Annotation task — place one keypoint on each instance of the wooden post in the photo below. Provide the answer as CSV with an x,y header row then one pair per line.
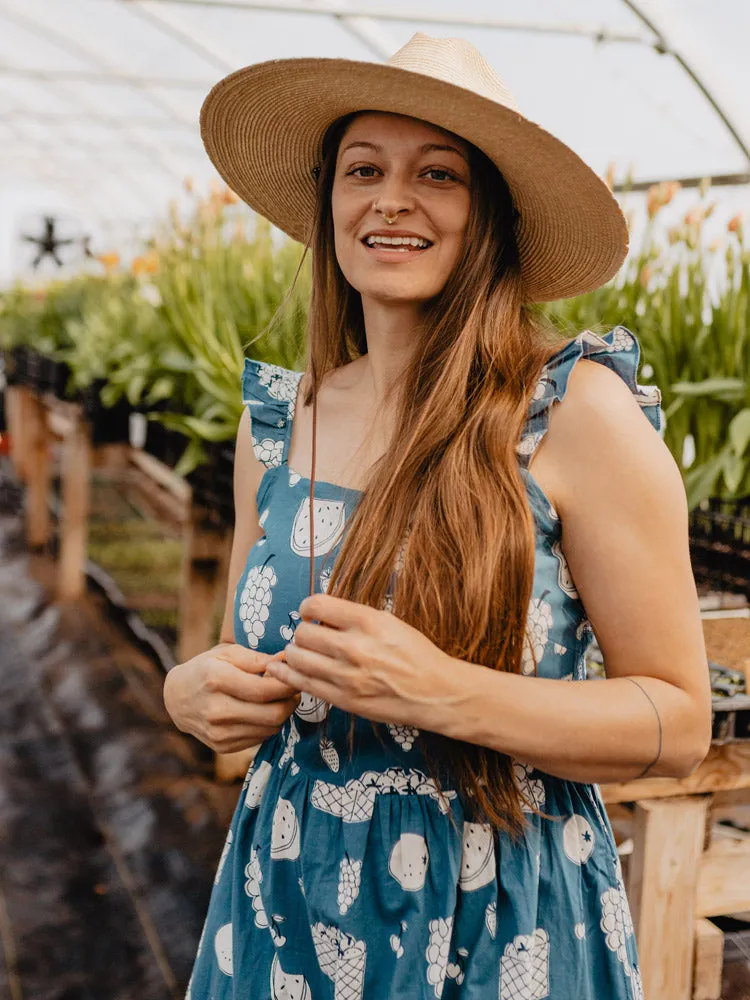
x,y
36,461
201,578
76,469
662,884
709,961
19,397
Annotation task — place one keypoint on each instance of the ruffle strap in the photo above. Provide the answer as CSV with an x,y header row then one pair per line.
x,y
270,392
619,350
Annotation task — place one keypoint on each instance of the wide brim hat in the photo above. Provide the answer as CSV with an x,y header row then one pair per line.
x,y
263,128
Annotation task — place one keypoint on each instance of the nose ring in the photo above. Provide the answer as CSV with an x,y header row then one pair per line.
x,y
390,219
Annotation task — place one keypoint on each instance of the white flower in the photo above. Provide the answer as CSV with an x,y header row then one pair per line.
x,y
254,878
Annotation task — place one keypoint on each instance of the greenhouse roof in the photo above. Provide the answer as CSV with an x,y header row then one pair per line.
x,y
99,99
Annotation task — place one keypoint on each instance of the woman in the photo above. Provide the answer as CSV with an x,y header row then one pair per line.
x,y
423,818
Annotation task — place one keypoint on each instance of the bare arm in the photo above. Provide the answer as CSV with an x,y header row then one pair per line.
x,y
622,504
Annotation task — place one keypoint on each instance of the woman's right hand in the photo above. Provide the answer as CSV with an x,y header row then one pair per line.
x,y
222,698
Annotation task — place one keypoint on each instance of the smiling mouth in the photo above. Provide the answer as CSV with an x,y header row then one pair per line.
x,y
397,244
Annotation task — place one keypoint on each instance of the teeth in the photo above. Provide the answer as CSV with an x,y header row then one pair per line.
x,y
397,241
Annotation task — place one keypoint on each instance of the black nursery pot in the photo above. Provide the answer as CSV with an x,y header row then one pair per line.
x,y
213,483
720,543
164,444
109,425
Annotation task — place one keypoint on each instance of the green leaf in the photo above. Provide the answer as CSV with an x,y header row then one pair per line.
x,y
739,431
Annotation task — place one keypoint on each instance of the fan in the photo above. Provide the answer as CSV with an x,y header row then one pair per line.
x,y
58,240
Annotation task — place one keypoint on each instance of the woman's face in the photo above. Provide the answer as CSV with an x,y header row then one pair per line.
x,y
391,165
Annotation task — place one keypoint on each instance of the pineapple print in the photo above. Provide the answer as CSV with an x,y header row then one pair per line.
x,y
255,603
437,953
405,736
490,919
532,790
330,754
350,875
342,959
538,623
524,967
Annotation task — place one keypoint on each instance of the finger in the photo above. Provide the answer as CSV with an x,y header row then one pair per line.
x,y
337,611
250,687
323,639
250,660
312,685
233,712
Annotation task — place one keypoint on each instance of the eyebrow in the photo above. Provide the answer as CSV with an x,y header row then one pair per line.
x,y
428,147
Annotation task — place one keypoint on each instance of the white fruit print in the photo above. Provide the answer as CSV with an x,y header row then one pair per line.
x,y
528,443
325,579
533,794
560,650
285,832
637,983
545,386
287,631
257,784
268,451
285,986
294,477
223,858
354,802
578,839
223,949
254,877
490,918
580,931
329,753
342,958
264,517
396,945
330,519
622,340
255,603
616,921
274,926
524,967
281,383
408,861
457,970
403,735
539,621
437,953
564,576
478,866
350,876
288,753
312,709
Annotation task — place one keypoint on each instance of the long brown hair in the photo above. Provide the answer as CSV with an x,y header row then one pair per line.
x,y
449,487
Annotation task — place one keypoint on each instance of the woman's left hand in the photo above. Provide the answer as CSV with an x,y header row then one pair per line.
x,y
366,662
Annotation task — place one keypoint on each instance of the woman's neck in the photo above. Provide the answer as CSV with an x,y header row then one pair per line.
x,y
391,331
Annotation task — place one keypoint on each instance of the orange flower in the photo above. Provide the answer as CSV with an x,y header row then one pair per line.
x,y
609,178
645,276
660,195
188,185
230,198
735,223
111,260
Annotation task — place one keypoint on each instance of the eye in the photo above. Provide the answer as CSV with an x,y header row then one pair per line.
x,y
444,175
356,172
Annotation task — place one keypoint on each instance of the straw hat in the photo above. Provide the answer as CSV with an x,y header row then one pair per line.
x,y
263,128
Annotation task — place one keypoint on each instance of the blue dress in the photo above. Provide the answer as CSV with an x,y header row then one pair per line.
x,y
346,879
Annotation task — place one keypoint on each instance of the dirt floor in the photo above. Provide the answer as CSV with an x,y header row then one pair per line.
x,y
111,825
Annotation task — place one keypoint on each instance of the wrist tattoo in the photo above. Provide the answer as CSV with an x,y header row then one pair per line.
x,y
658,719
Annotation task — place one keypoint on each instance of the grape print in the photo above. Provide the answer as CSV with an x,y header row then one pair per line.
x,y
395,939
403,735
524,967
255,602
280,382
254,877
538,623
350,874
437,953
456,970
268,451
